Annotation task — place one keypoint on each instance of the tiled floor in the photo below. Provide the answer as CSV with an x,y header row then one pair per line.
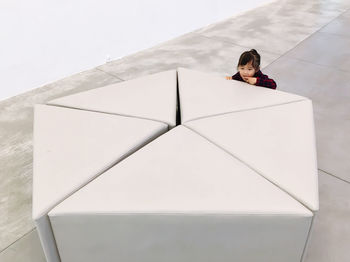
x,y
331,231
314,50
27,249
276,27
304,47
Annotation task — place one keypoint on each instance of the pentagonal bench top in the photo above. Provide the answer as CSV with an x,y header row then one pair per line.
x,y
244,157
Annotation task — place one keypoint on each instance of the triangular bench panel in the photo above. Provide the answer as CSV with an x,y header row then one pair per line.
x,y
203,95
278,142
72,147
177,192
151,97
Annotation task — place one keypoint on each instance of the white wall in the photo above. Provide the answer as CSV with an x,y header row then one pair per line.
x,y
42,41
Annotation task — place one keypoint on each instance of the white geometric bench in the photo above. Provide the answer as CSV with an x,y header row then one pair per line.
x,y
116,180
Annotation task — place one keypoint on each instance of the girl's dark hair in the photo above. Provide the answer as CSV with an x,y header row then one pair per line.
x,y
248,56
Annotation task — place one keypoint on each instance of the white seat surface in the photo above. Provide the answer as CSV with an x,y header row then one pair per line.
x,y
165,200
151,97
71,147
203,94
278,142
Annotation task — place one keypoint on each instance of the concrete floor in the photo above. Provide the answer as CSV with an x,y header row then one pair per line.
x,y
304,46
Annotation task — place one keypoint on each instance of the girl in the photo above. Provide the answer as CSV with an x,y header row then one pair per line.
x,y
249,71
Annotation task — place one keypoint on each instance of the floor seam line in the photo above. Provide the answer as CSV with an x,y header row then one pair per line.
x,y
108,73
244,110
311,63
14,242
238,45
234,43
250,167
335,34
327,173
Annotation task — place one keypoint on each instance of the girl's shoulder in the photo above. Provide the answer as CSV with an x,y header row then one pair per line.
x,y
237,76
260,74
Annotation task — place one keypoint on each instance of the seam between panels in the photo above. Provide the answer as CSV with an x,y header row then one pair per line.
x,y
54,238
107,113
98,174
178,104
243,110
250,167
83,185
111,165
308,238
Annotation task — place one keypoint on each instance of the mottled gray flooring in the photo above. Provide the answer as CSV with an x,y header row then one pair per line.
x,y
304,47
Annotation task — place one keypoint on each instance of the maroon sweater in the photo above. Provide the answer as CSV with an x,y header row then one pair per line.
x,y
261,80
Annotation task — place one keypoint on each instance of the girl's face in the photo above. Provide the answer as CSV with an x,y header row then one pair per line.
x,y
246,70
